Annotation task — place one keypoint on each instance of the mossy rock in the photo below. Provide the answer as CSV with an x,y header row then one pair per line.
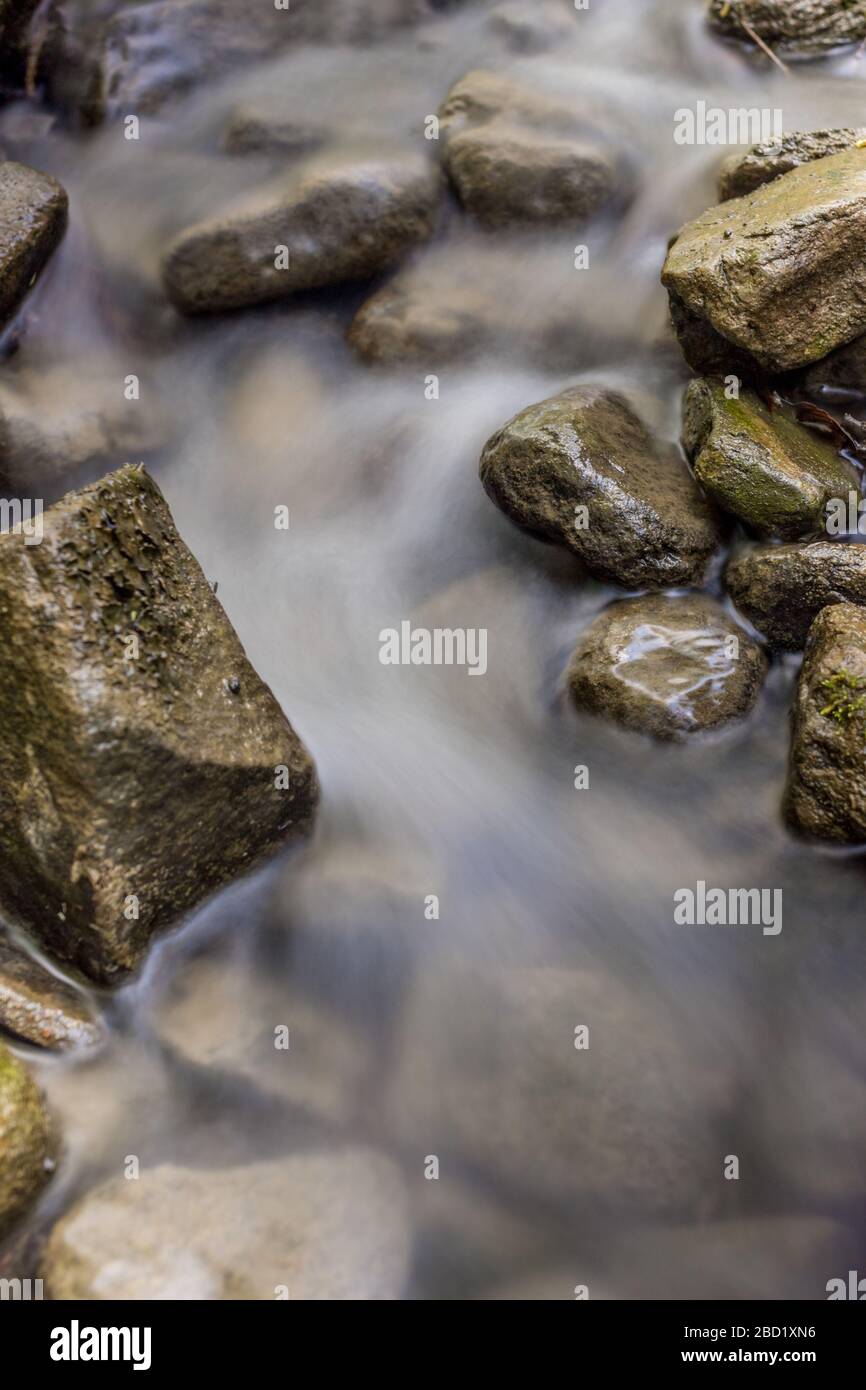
x,y
27,1141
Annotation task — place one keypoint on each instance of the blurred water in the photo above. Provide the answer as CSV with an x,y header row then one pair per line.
x,y
435,783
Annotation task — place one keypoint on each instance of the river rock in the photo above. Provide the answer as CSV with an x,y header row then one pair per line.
x,y
807,27
37,1007
646,522
666,666
27,1144
339,220
840,373
262,129
825,798
488,1072
777,277
534,27
323,1226
516,159
743,173
781,588
139,766
33,212
776,475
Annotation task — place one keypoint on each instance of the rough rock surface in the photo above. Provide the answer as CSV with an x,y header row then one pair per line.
x,y
781,588
262,130
825,798
488,1065
648,524
801,26
37,1007
516,159
321,1225
27,1145
339,221
743,173
841,371
666,666
779,275
33,211
131,783
761,466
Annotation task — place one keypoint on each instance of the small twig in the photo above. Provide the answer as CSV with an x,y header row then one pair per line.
x,y
756,38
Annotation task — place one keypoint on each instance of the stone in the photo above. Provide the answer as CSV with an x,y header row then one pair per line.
x,y
27,1142
825,798
139,767
535,27
516,159
670,667
762,466
779,275
646,522
840,373
340,220
488,1073
743,173
781,588
37,1007
260,130
322,1226
805,27
33,213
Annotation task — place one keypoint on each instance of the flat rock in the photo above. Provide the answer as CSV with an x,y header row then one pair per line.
x,y
488,1073
38,1008
130,783
33,213
648,523
763,467
27,1145
781,588
324,1226
806,27
666,666
825,798
516,159
743,173
778,275
343,220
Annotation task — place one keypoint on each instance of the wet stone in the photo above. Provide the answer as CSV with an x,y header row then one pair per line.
x,y
805,27
38,1008
670,667
781,588
743,173
27,1145
33,213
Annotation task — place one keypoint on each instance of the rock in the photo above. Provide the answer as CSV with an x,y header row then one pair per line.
x,y
531,28
780,275
339,220
323,1226
515,159
743,173
825,798
27,1145
260,130
130,783
33,210
807,27
15,17
841,372
666,666
488,1073
38,1008
648,524
774,474
781,588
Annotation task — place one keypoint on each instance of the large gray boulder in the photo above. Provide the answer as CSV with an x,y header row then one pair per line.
x,y
582,471
27,1141
33,213
825,798
777,278
140,764
782,588
337,220
670,667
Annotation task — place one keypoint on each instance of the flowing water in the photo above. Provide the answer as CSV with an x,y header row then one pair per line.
x,y
435,782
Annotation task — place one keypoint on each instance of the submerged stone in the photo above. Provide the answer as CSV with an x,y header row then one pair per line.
x,y
807,27
144,762
781,588
27,1144
669,667
33,212
825,798
37,1007
338,221
743,173
762,466
779,275
582,471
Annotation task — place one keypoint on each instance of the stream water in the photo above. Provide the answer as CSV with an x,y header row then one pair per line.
x,y
407,1035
